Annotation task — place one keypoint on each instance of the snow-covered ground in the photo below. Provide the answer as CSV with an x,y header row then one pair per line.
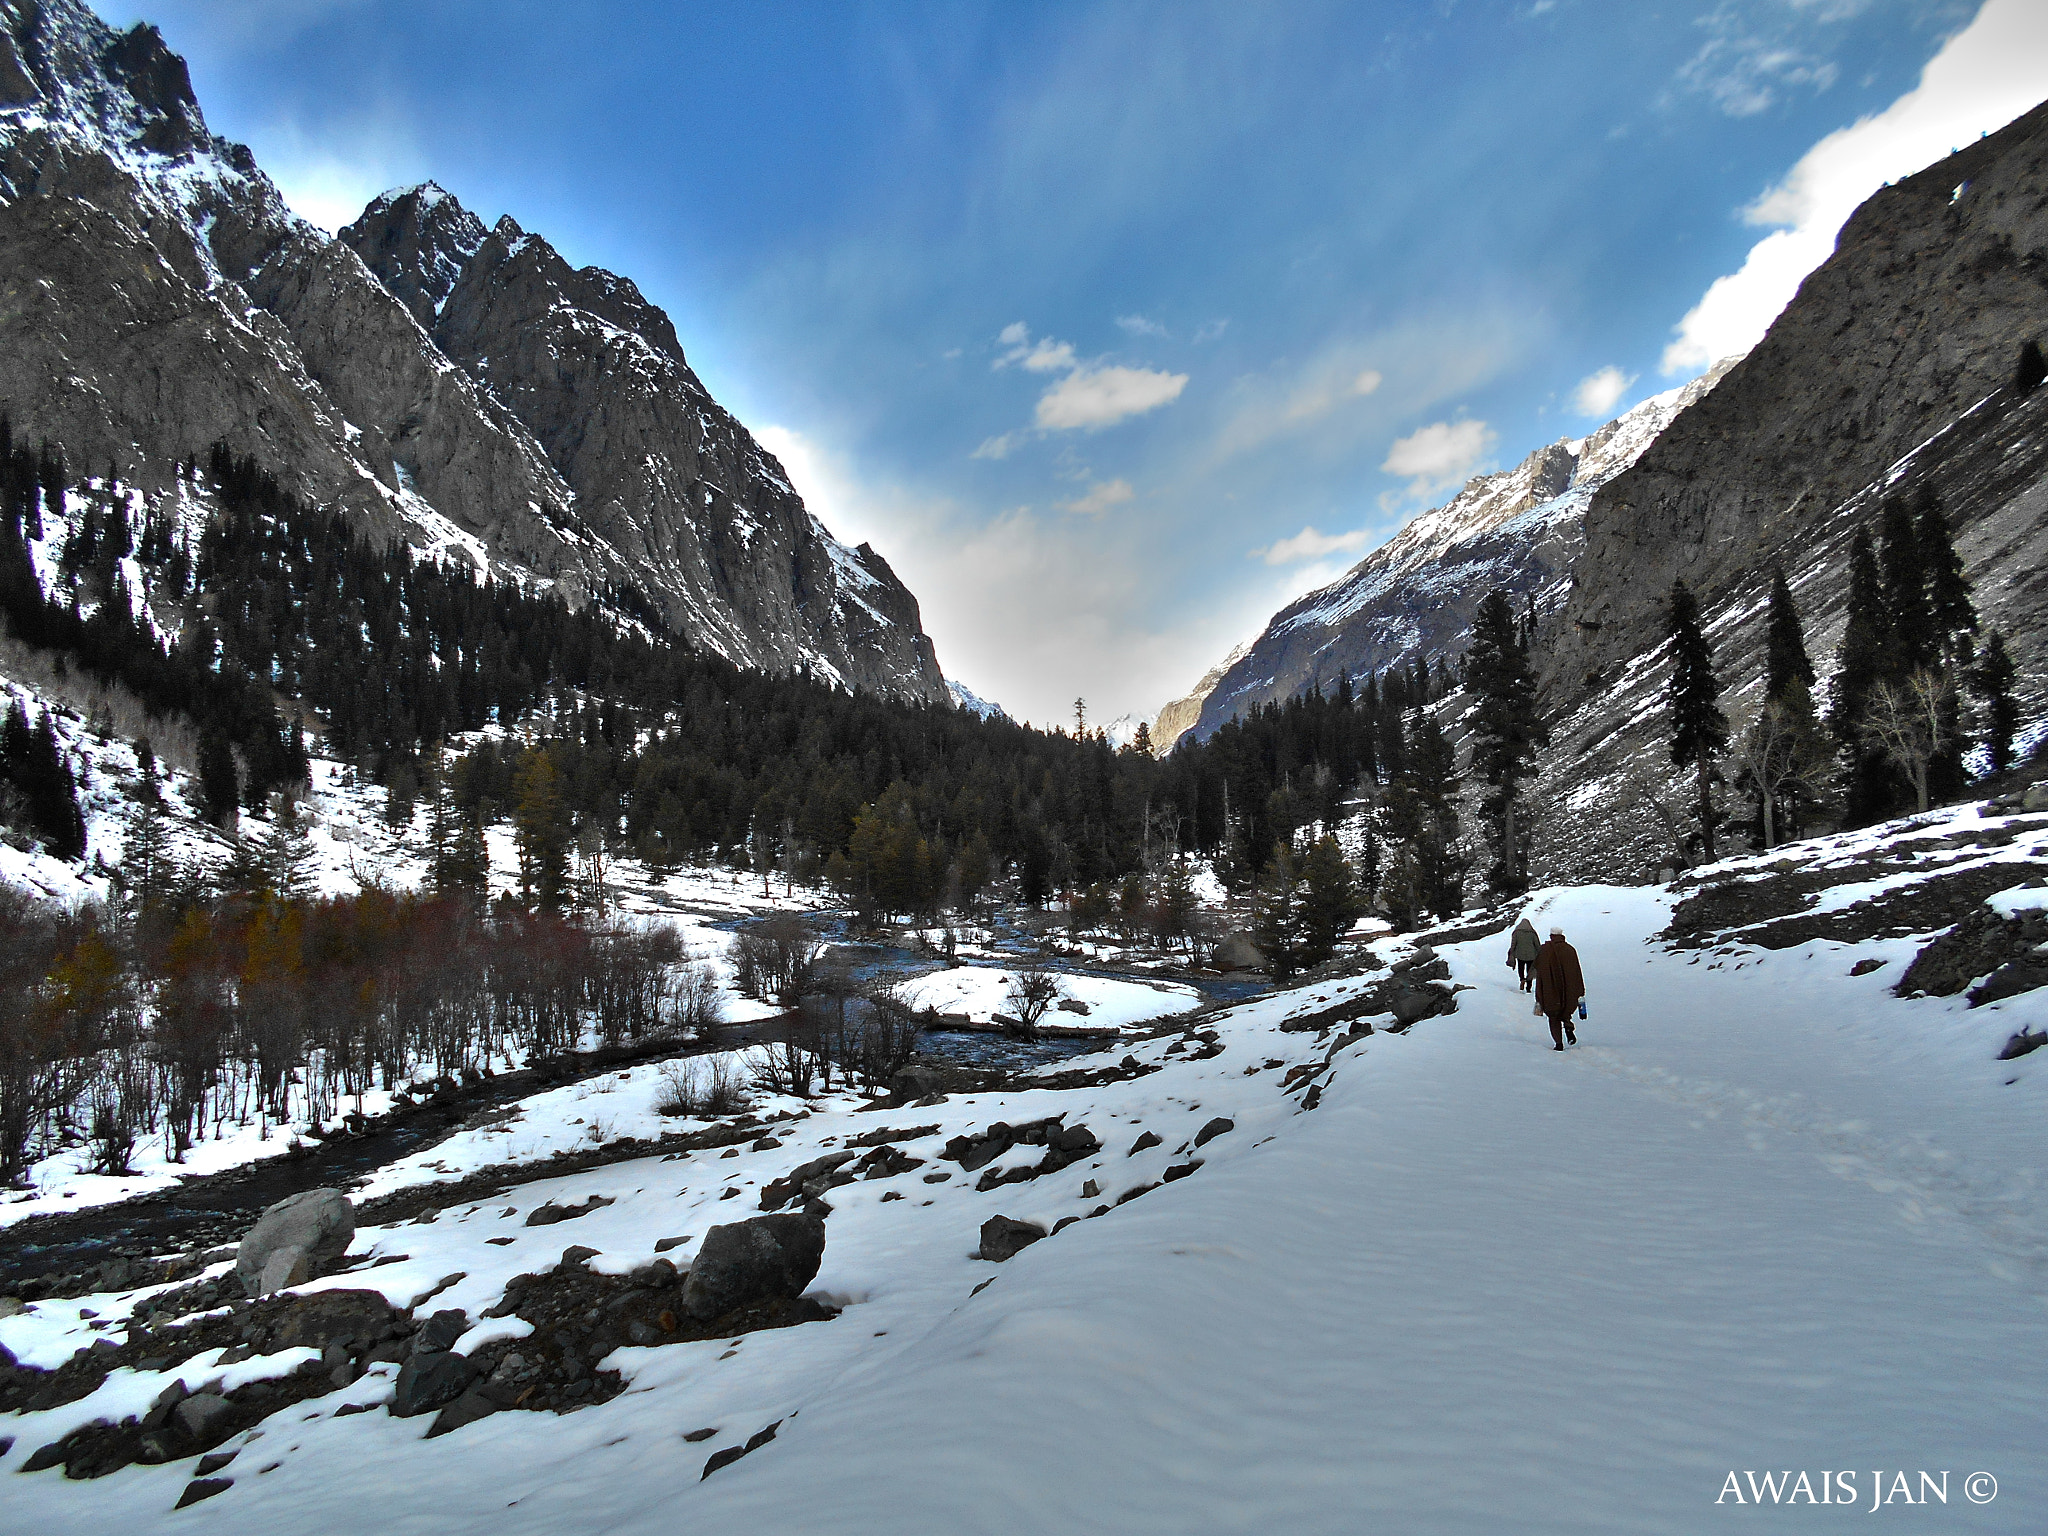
x,y
981,992
1766,1218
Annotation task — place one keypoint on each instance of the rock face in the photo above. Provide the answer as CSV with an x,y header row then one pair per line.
x,y
1889,372
749,1261
1003,1238
1519,530
293,1238
458,387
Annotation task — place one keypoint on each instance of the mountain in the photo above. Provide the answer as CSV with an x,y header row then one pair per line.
x,y
1519,530
1177,716
1891,373
458,387
966,698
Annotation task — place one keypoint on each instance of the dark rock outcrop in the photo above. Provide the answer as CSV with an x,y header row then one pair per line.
x,y
746,1262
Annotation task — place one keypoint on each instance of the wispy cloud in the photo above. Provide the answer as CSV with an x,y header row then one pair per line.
x,y
1000,447
1984,77
1044,355
1089,399
1311,545
1099,498
1138,325
1439,456
1598,393
1743,71
1210,330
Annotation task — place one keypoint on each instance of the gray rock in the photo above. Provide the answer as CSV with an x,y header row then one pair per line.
x,y
1217,1127
12,1306
203,1488
748,1261
311,1228
429,1380
201,1414
466,1409
2036,797
1148,1139
1003,1238
440,1331
547,1215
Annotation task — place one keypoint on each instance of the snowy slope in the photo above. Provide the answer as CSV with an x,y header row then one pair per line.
x,y
1766,1217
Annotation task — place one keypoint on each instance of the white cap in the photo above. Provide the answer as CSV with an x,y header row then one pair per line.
x,y
1557,933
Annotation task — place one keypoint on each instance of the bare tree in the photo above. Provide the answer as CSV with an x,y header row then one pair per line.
x,y
1641,791
1033,990
1911,724
1781,756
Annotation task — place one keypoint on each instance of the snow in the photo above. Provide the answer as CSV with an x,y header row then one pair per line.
x,y
1766,1216
966,698
980,992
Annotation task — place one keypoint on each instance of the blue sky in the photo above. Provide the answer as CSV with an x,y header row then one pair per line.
x,y
1114,326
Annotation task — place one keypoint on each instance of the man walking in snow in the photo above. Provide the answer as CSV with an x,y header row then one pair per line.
x,y
1559,986
1523,946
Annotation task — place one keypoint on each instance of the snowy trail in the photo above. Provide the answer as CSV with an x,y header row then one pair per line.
x,y
1484,1278
1767,1218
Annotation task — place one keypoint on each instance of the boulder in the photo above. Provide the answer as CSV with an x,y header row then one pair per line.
x,y
1237,953
1412,1004
1003,1238
440,1331
547,1215
201,1415
429,1380
293,1239
1217,1127
749,1261
2036,797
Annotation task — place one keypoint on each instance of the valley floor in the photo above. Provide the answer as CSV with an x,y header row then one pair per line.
x,y
1766,1218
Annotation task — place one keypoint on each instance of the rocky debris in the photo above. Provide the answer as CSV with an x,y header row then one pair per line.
x,y
1745,911
547,1215
2010,954
885,1162
294,1239
1071,1078
203,1488
2035,798
1074,1005
1063,1145
2023,1043
932,1078
810,1180
429,1379
733,1453
1003,1238
1216,1127
745,1262
1411,992
1865,967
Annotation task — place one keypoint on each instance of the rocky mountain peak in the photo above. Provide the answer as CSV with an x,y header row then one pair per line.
x,y
416,241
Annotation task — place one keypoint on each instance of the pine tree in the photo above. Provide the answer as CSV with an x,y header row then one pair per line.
x,y
148,868
280,855
1913,643
1330,902
1505,733
541,830
1141,743
1860,665
1699,730
1786,662
1276,915
1992,680
220,789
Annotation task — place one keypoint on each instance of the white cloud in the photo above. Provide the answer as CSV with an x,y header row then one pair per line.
x,y
1099,498
1095,397
1138,325
1015,334
1440,455
1041,356
1367,382
1311,545
1598,393
1743,74
1984,77
1000,447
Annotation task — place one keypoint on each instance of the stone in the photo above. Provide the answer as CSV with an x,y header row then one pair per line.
x,y
747,1261
1865,967
2022,1044
658,1272
440,1331
202,1414
575,1254
547,1215
696,1436
466,1409
12,1306
1003,1238
662,1245
212,1462
429,1380
2010,980
1181,1170
316,1224
812,1178
1075,1141
1217,1127
1090,1190
1412,1004
2036,797
1149,1139
203,1488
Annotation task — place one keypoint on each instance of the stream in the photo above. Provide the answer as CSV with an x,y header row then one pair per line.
x,y
219,1207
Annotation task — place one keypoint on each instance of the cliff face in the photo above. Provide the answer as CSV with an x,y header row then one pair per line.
x,y
458,387
1415,595
1891,370
1917,317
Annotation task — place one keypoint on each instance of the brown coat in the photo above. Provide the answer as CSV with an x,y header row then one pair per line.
x,y
1559,983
